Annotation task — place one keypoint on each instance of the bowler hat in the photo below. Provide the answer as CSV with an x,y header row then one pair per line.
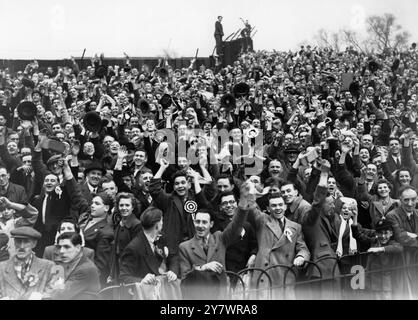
x,y
241,89
228,101
355,89
25,233
28,83
165,101
373,66
383,224
95,165
100,71
92,121
27,110
144,106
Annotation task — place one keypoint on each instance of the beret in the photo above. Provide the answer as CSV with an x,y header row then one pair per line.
x,y
25,232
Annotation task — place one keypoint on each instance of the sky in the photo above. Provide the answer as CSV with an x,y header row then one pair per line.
x,y
57,29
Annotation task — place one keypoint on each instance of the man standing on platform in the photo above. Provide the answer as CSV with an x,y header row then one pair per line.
x,y
219,33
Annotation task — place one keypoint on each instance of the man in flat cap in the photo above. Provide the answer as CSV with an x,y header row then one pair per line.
x,y
25,276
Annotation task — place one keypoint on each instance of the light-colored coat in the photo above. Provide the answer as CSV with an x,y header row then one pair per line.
x,y
299,209
275,248
193,255
12,287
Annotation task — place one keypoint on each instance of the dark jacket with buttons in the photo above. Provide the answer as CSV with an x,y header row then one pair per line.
x,y
240,250
320,236
123,235
99,237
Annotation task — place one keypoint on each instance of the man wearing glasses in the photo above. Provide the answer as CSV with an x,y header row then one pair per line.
x,y
242,252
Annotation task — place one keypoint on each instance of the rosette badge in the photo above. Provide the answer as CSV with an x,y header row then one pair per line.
x,y
190,206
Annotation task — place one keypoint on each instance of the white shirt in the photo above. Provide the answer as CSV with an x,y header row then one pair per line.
x,y
369,185
396,159
151,242
44,208
91,188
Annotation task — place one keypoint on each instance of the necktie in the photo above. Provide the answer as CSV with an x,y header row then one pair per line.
x,y
281,224
3,190
205,246
44,208
398,163
411,222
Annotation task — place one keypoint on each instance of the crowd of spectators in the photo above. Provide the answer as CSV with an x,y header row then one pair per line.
x,y
127,175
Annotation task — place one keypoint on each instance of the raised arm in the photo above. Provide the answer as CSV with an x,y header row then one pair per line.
x,y
78,203
319,197
246,202
160,198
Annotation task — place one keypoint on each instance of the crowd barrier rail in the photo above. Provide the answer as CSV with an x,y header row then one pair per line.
x,y
354,284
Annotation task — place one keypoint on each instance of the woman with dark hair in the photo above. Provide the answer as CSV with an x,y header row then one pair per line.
x,y
403,177
126,227
68,224
98,233
380,201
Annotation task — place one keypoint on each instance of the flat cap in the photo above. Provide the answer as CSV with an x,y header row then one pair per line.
x,y
54,158
25,232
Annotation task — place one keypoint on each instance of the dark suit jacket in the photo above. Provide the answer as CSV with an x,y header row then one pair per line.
x,y
405,154
192,253
86,194
320,235
81,282
218,29
123,236
178,224
392,164
143,204
401,226
57,208
16,193
239,251
138,260
99,237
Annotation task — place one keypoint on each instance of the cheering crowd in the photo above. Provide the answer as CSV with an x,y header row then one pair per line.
x,y
116,175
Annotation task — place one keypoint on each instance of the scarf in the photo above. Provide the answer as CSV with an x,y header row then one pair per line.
x,y
23,267
353,242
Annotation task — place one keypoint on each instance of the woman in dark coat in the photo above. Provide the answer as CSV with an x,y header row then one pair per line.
x,y
126,227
